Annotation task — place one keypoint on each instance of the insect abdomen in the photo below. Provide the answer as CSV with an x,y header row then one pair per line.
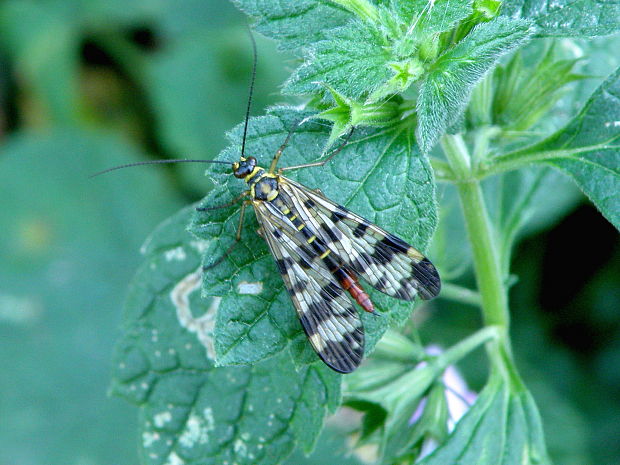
x,y
350,284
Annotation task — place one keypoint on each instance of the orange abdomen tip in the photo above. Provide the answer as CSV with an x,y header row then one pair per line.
x,y
353,287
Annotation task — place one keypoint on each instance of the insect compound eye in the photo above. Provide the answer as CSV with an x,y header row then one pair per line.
x,y
244,167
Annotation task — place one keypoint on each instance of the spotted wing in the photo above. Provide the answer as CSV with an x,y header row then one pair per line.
x,y
385,261
328,317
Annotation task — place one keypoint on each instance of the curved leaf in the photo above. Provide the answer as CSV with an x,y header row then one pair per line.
x,y
353,60
568,18
503,427
587,149
446,90
294,24
432,16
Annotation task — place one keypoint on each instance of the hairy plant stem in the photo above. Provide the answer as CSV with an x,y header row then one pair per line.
x,y
486,256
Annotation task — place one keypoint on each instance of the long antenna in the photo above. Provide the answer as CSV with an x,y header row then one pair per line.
x,y
247,112
158,162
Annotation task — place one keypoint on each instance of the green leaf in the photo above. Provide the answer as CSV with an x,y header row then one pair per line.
x,y
364,9
446,90
503,427
587,149
68,249
429,17
379,175
192,412
332,447
371,60
294,24
406,440
448,252
353,60
401,391
568,18
347,114
525,95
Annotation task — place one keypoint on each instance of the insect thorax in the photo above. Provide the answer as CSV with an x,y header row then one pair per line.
x,y
263,185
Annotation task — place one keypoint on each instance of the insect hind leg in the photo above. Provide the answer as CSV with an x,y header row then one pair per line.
x,y
278,154
325,160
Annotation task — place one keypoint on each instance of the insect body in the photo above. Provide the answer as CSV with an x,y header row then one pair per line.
x,y
321,249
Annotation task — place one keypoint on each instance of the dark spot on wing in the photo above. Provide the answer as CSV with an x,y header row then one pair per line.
x,y
395,243
331,265
382,283
318,246
307,232
305,264
382,254
337,214
300,285
361,262
341,356
330,292
428,277
407,290
284,264
360,230
334,234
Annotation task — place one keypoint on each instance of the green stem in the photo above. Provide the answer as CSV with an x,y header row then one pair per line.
x,y
442,170
467,345
458,156
460,294
486,256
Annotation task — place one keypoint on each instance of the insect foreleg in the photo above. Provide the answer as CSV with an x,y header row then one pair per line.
x,y
229,204
236,241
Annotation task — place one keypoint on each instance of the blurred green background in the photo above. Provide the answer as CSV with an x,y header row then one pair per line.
x,y
89,84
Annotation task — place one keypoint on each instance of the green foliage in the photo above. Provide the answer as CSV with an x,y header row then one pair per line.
x,y
388,393
295,25
522,98
351,59
502,427
191,410
586,149
568,18
347,114
471,134
445,92
422,17
381,54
